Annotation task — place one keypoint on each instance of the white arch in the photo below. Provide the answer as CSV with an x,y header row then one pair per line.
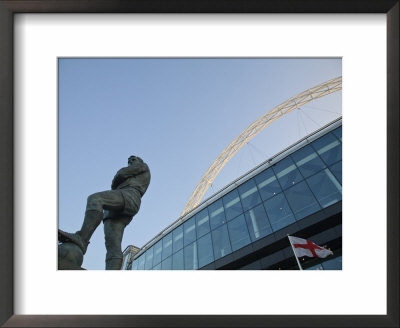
x,y
306,96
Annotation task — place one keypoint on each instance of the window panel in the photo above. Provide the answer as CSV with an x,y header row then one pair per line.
x,y
177,260
167,246
205,250
221,242
202,223
334,264
177,239
189,231
308,161
141,261
279,213
329,148
233,206
301,200
257,222
238,233
315,267
249,194
217,215
157,267
167,264
338,133
267,184
135,265
287,173
190,253
157,253
336,169
149,259
325,187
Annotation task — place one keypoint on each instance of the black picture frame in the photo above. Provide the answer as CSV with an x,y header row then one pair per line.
x,y
10,7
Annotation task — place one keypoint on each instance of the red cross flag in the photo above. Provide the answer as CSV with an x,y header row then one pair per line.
x,y
303,247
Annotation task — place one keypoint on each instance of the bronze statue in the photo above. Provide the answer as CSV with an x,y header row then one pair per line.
x,y
120,204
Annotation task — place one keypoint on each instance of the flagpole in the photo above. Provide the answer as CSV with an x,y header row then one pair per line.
x,y
297,259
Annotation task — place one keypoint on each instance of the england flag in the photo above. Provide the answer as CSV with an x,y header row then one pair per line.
x,y
303,247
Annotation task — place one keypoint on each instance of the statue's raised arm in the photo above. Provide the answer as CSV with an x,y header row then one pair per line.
x,y
128,172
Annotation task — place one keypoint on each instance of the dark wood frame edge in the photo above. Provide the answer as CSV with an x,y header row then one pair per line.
x,y
10,7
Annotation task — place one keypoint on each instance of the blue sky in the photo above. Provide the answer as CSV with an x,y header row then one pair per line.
x,y
178,114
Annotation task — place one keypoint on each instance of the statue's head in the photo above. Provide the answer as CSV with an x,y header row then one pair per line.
x,y
132,159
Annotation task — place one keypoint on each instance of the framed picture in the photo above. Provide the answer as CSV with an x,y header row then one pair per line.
x,y
230,298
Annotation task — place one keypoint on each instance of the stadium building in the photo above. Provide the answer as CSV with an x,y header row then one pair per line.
x,y
245,225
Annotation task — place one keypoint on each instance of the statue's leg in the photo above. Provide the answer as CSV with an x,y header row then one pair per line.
x,y
93,216
94,211
90,223
81,238
113,232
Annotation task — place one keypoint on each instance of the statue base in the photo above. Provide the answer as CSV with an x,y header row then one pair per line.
x,y
70,257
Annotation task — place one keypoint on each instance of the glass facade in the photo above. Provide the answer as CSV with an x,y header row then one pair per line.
x,y
300,184
328,264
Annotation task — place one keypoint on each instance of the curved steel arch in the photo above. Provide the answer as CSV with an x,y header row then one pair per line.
x,y
302,98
